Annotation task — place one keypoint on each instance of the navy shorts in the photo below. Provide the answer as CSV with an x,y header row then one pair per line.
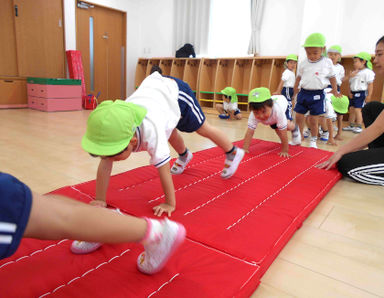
x,y
288,93
235,113
15,207
358,99
192,117
312,101
338,87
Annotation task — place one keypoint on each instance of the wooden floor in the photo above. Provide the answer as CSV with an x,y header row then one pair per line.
x,y
339,251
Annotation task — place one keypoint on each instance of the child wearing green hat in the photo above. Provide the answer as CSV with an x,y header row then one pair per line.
x,y
229,108
287,81
314,75
270,110
147,121
361,86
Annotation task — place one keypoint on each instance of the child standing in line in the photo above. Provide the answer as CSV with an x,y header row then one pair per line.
x,y
361,85
287,81
273,111
229,108
24,213
314,74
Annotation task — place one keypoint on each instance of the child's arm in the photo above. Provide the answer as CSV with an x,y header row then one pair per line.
x,y
296,87
169,191
231,114
334,87
370,90
247,139
278,90
282,133
102,180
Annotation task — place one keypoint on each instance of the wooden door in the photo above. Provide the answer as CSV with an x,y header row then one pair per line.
x,y
39,38
8,62
107,75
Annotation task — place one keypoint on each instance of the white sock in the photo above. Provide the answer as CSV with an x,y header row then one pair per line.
x,y
154,231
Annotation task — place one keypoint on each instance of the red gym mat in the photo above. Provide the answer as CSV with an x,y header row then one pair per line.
x,y
235,228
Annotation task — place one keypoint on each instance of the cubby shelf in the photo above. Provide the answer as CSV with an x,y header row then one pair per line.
x,y
208,76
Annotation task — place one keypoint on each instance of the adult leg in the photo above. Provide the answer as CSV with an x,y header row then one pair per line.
x,y
365,166
370,112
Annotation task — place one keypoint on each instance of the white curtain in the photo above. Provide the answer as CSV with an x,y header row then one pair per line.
x,y
256,20
192,24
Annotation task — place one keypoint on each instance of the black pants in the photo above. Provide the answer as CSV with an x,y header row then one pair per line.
x,y
366,166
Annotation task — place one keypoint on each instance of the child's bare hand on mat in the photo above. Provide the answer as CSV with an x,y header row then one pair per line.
x,y
163,208
330,162
98,203
284,154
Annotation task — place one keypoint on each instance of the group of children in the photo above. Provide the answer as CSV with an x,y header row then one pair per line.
x,y
162,106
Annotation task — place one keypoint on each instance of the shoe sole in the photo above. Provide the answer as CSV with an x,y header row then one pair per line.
x,y
180,236
80,251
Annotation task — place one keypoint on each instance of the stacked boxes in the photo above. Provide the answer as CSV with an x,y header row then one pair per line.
x,y
52,95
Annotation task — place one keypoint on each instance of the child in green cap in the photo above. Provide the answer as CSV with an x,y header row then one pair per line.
x,y
287,81
314,75
229,109
272,111
361,86
147,121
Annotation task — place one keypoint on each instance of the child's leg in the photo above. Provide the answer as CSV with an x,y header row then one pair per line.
x,y
314,125
300,122
351,119
185,155
358,117
339,127
57,217
331,140
177,142
220,108
216,136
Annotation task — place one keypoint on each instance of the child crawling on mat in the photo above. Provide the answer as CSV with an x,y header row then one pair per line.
x,y
24,213
273,111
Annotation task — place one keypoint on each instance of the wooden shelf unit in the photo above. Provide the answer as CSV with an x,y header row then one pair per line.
x,y
208,76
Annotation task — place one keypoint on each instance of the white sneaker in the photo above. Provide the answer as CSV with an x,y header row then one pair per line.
x,y
348,128
306,133
157,252
230,166
324,136
83,247
179,165
357,129
313,144
296,138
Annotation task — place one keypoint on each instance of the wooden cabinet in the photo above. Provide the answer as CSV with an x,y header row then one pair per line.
x,y
13,93
208,76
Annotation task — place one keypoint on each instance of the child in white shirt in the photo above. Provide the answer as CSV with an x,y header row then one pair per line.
x,y
270,110
361,86
229,108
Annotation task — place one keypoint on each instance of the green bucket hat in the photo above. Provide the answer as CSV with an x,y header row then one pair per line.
x,y
259,95
340,105
365,56
292,57
335,49
315,40
110,127
230,91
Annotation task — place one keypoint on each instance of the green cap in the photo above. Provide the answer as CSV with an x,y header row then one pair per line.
x,y
335,49
259,95
365,56
315,40
110,127
230,91
340,104
292,57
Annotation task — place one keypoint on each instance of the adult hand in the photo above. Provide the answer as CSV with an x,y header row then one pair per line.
x,y
163,208
330,162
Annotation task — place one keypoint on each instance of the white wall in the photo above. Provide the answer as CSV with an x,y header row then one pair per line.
x,y
149,29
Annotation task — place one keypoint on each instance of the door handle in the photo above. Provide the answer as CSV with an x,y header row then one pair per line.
x,y
16,11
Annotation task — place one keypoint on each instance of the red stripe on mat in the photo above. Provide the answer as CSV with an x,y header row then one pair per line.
x,y
235,228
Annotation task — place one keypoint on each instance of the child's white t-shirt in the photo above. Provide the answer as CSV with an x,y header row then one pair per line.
x,y
159,95
316,75
277,117
361,80
288,77
340,73
230,106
